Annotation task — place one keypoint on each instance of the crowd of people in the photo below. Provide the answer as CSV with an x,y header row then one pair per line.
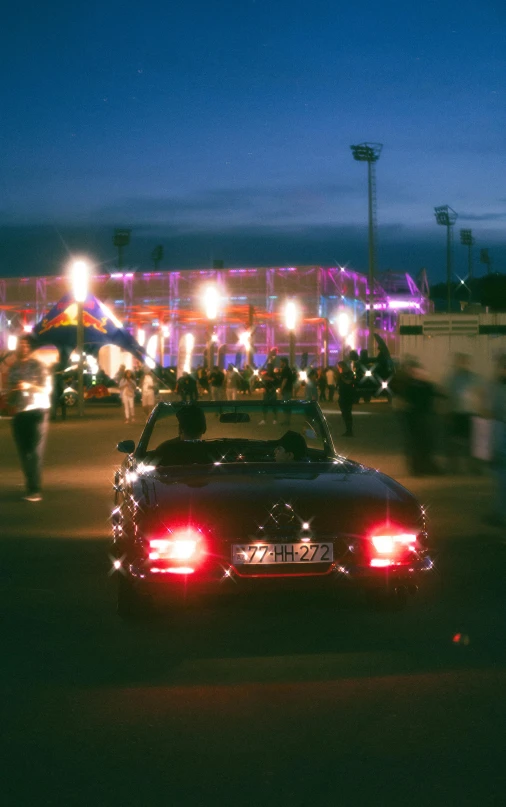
x,y
457,426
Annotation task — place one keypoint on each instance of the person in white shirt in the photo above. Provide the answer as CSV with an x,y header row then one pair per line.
x,y
148,392
127,387
30,394
331,382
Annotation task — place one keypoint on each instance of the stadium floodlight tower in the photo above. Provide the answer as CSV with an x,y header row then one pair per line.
x,y
370,153
467,240
447,217
121,239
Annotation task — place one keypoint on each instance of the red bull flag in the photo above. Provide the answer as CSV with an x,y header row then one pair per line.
x,y
59,328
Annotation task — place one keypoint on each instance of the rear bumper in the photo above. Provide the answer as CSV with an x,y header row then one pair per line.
x,y
221,579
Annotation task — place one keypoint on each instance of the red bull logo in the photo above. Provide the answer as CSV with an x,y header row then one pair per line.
x,y
89,321
69,317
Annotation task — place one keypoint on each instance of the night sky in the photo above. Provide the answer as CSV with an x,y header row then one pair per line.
x,y
222,130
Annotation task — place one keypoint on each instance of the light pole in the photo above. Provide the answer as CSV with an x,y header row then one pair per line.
x,y
447,217
343,328
486,259
157,255
467,240
121,239
79,274
370,153
211,302
290,322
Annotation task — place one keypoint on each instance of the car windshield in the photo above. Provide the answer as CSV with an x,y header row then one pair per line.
x,y
246,427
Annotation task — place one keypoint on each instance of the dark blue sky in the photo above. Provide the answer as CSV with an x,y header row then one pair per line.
x,y
222,130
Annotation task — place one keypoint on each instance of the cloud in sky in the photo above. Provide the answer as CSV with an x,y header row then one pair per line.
x,y
499,216
26,250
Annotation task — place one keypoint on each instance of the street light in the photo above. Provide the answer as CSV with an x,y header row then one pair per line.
x,y
79,272
447,217
370,153
290,322
343,328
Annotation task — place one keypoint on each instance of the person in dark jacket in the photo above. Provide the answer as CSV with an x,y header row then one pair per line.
x,y
346,395
420,420
57,396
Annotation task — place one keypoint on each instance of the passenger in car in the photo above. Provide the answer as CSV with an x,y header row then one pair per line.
x,y
189,447
291,448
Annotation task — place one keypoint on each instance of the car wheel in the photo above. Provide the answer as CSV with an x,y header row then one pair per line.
x,y
133,602
69,399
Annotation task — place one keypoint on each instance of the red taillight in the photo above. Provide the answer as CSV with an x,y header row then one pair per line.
x,y
392,545
178,545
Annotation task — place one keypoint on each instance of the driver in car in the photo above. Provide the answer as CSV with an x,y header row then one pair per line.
x,y
189,447
291,448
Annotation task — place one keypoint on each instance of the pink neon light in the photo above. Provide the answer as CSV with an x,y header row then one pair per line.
x,y
395,304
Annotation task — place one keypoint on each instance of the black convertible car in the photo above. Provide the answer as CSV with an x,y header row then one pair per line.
x,y
226,495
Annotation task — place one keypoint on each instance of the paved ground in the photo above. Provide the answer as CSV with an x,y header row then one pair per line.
x,y
283,703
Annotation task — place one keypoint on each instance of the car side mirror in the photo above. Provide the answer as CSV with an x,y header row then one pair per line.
x,y
126,446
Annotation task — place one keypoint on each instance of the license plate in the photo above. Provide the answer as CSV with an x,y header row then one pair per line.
x,y
261,554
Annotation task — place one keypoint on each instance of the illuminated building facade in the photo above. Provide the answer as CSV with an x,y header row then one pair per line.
x,y
248,316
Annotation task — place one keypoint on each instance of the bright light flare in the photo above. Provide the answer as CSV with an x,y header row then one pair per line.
x,y
107,311
391,543
12,342
182,545
211,302
245,340
343,324
152,346
381,562
189,342
291,315
79,274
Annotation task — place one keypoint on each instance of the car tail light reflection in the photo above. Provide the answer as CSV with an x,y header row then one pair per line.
x,y
179,545
392,546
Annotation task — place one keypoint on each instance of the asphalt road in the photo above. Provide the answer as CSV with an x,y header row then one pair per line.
x,y
284,702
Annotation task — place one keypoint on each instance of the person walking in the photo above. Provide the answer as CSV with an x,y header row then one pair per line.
x,y
330,377
322,384
119,375
217,380
231,382
286,377
57,393
497,411
127,387
462,389
420,419
270,383
148,391
346,396
29,393
311,390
